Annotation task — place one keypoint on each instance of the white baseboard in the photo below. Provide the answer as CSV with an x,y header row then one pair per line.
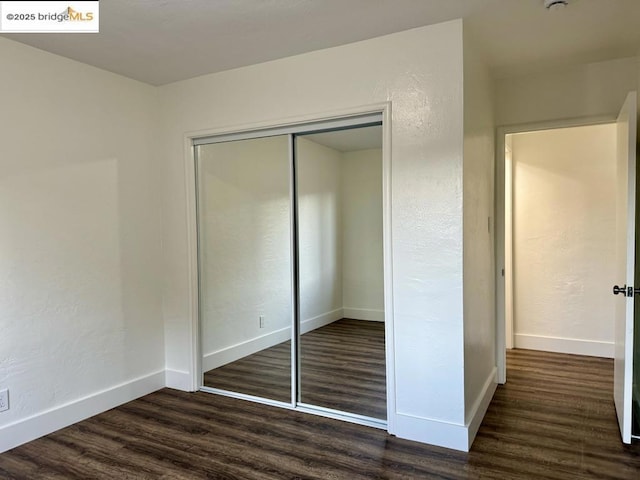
x,y
432,432
178,380
445,434
573,346
44,423
321,320
240,350
479,408
363,314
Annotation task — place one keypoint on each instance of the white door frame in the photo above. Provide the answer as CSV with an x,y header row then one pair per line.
x,y
250,130
504,296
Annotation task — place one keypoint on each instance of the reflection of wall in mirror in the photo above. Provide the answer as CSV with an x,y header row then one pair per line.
x,y
320,239
244,220
246,215
341,256
363,274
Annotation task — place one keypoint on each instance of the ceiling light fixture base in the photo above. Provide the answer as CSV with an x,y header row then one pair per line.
x,y
555,4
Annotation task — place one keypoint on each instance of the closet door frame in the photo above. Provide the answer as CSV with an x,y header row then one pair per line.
x,y
361,116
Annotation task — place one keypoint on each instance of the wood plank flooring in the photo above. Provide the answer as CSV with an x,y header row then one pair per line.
x,y
342,367
265,374
554,419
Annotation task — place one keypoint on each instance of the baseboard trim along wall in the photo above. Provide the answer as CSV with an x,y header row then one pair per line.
x,y
479,408
240,350
446,434
363,314
573,346
321,320
44,423
178,380
432,432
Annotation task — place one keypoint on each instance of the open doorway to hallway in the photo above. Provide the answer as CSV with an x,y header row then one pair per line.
x,y
557,239
625,353
560,239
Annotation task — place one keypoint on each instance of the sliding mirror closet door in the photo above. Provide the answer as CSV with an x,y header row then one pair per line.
x,y
245,266
340,264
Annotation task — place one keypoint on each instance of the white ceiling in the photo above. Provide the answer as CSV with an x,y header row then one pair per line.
x,y
162,41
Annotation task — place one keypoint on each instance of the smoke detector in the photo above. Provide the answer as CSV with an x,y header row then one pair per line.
x,y
555,4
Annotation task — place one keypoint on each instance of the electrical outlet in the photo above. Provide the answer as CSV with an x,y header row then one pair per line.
x,y
4,400
261,321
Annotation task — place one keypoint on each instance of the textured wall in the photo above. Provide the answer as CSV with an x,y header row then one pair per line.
x,y
420,72
363,273
245,254
575,91
564,236
320,242
478,213
80,296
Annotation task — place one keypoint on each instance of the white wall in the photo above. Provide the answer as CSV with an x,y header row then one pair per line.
x,y
320,232
80,298
564,239
420,72
478,212
363,272
593,89
245,251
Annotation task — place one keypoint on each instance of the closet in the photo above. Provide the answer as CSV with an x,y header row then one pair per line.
x,y
290,267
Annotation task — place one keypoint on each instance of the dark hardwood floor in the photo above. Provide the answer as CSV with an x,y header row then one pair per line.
x,y
554,419
265,374
342,367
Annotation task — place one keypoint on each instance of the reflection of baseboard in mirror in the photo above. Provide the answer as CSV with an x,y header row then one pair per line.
x,y
340,261
245,255
332,365
290,232
235,352
373,315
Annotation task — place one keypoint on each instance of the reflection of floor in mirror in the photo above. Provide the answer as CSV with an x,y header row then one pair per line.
x,y
343,367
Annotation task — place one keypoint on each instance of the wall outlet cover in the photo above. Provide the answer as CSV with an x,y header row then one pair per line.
x,y
4,400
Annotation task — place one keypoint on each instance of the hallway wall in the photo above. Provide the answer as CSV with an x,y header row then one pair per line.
x,y
564,239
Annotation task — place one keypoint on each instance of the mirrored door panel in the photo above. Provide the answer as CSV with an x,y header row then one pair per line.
x,y
340,271
245,285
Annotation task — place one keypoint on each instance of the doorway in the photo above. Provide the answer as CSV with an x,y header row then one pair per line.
x,y
291,267
556,238
590,277
563,239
